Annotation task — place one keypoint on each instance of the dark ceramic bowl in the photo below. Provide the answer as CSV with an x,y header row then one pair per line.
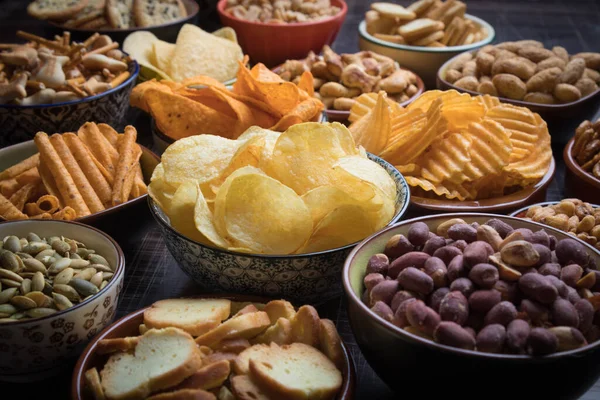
x,y
272,44
167,32
21,123
36,349
105,219
129,326
579,183
306,278
414,366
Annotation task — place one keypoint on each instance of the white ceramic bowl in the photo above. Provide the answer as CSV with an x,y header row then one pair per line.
x,y
424,61
37,348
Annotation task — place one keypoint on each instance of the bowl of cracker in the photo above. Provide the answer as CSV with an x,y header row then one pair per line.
x,y
117,18
224,346
424,35
57,85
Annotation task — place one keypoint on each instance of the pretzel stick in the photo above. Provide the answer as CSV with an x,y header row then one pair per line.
x,y
9,211
41,40
122,77
91,40
75,89
74,50
76,81
67,38
103,49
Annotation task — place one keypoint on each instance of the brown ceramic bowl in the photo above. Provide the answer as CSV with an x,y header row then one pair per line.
x,y
342,116
129,326
421,368
530,195
13,154
579,183
167,32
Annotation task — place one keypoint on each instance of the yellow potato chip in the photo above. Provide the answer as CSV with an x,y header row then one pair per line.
x,y
447,189
460,111
368,171
409,169
226,33
265,216
426,100
488,101
373,130
521,125
139,45
324,199
205,221
490,149
182,208
446,158
366,102
162,54
160,190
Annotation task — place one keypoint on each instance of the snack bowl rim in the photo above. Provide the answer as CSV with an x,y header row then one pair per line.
x,y
543,204
362,31
341,14
95,216
159,215
348,371
575,168
119,269
400,333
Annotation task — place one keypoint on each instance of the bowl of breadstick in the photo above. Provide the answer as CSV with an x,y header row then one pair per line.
x,y
424,35
83,175
56,85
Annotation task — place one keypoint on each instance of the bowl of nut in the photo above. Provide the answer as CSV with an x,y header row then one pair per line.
x,y
271,36
475,297
424,35
219,342
340,78
58,85
582,158
57,293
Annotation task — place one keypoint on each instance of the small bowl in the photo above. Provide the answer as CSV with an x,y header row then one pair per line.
x,y
306,278
39,348
579,183
425,61
399,357
129,326
21,123
509,202
272,44
13,154
520,213
167,32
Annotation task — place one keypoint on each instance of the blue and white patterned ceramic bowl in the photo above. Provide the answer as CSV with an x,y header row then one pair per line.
x,y
307,278
21,123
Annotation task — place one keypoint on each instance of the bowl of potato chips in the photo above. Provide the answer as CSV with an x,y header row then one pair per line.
x,y
272,213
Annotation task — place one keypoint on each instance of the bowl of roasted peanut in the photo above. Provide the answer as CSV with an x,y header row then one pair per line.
x,y
291,30
57,85
339,79
424,35
582,158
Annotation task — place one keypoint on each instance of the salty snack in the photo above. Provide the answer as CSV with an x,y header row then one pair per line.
x,y
73,175
525,70
586,149
195,52
455,145
313,186
44,275
281,12
489,287
203,105
56,71
340,78
428,23
238,356
108,14
579,218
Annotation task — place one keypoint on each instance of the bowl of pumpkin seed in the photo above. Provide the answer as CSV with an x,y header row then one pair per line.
x,y
60,282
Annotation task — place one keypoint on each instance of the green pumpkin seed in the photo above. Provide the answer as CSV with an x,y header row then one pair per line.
x,y
73,244
83,252
23,255
31,264
10,283
7,320
39,298
96,280
18,316
8,309
107,276
75,256
64,276
23,303
51,239
12,243
7,294
61,301
37,282
25,286
32,237
83,287
79,263
98,259
61,246
100,267
103,285
40,312
45,253
86,274
24,242
35,247
10,261
67,291
4,273
59,265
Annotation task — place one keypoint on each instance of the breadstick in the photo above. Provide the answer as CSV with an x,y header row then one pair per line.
x,y
110,134
99,146
30,176
49,182
64,182
20,197
129,154
21,167
8,210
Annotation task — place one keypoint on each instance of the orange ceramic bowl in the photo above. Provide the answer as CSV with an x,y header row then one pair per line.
x,y
272,44
578,182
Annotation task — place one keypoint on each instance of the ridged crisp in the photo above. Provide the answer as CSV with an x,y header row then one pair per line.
x,y
490,149
446,158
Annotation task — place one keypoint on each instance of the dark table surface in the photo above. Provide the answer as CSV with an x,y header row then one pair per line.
x,y
152,274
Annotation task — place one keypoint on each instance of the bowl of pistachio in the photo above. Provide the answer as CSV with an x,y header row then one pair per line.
x,y
60,283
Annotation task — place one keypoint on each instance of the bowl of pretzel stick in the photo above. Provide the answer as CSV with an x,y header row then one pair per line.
x,y
56,85
83,176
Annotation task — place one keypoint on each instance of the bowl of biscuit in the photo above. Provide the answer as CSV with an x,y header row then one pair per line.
x,y
582,158
117,18
211,347
424,35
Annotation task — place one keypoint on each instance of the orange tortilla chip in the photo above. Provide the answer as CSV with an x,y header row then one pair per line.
x,y
307,110
307,83
138,94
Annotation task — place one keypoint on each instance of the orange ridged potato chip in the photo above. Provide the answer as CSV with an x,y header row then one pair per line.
x,y
446,158
370,130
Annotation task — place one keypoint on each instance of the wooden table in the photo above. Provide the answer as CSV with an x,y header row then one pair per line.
x,y
152,274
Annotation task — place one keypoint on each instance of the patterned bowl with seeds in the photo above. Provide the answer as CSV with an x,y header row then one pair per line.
x,y
59,286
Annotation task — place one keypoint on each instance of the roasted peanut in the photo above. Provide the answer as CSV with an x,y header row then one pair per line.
x,y
436,269
415,280
560,286
508,291
418,233
501,227
484,300
400,319
456,268
454,307
541,342
383,310
422,317
484,62
477,252
484,275
371,280
586,86
435,299
564,313
520,254
397,246
463,285
520,67
550,62
585,312
383,291
592,60
535,54
510,86
487,87
540,98
561,53
434,243
452,75
537,313
502,313
459,244
568,337
544,81
505,272
447,253
442,228
517,333
566,93
545,255
462,232
538,288
378,263
414,259
401,297
467,83
491,338
571,274
541,237
488,234
452,334
573,71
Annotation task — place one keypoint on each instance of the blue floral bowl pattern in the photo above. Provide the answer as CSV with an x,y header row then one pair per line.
x,y
306,278
21,123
